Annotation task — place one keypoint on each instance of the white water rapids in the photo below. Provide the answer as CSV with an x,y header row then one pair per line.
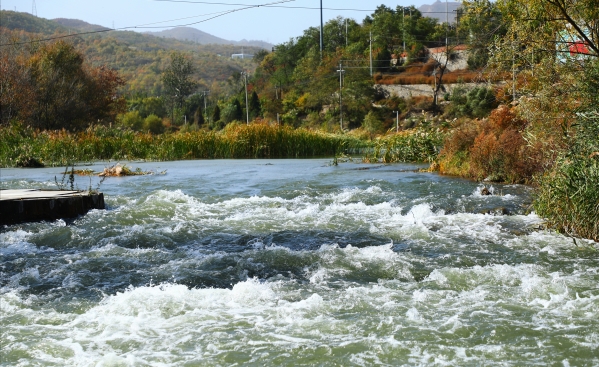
x,y
295,263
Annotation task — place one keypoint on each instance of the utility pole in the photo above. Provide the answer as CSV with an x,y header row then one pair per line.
x,y
34,9
205,93
321,27
447,28
403,26
346,42
341,72
371,73
396,121
247,107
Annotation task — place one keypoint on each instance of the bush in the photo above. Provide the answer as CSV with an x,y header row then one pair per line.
x,y
373,124
478,102
492,149
154,124
132,120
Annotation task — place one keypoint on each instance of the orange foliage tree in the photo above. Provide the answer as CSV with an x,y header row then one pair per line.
x,y
50,86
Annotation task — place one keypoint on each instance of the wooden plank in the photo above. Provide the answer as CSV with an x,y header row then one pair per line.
x,y
19,206
36,194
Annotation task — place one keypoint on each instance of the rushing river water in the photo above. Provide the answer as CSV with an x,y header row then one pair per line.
x,y
295,263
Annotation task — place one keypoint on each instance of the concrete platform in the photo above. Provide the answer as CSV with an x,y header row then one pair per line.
x,y
19,206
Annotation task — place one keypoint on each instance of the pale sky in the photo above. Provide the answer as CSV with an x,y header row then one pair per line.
x,y
271,24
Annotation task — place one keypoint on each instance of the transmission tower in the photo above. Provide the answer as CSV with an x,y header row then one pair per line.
x,y
34,9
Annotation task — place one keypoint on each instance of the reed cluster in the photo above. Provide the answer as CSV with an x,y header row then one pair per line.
x,y
415,145
569,199
58,148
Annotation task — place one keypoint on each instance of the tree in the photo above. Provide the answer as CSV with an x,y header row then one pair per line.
x,y
372,123
259,56
178,80
383,60
556,72
255,108
198,117
480,22
233,111
154,124
216,114
65,92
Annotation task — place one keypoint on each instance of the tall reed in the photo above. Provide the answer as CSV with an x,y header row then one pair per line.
x,y
416,145
104,143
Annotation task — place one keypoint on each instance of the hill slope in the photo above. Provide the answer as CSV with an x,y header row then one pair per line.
x,y
203,38
139,58
438,10
79,25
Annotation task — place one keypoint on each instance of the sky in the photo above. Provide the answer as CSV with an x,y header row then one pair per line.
x,y
270,24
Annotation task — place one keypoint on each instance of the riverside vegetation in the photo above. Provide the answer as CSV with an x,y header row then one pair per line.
x,y
538,127
19,146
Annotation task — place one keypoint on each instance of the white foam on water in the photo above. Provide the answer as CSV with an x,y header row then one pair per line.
x,y
171,324
372,261
17,242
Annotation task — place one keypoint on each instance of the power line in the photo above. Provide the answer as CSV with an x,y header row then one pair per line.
x,y
287,7
217,15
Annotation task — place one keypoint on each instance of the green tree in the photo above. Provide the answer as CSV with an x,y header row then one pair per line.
x,y
67,93
480,23
178,80
233,111
383,61
373,124
133,120
154,124
255,109
259,56
216,114
198,117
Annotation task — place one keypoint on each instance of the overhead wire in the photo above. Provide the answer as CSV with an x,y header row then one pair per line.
x,y
289,7
149,25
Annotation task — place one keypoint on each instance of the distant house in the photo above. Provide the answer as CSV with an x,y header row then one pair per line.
x,y
242,56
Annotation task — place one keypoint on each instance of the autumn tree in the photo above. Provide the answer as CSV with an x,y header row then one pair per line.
x,y
52,87
554,82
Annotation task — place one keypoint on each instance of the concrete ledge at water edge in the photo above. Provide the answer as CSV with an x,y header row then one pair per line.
x,y
20,206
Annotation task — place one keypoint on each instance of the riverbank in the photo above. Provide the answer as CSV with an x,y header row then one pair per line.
x,y
23,147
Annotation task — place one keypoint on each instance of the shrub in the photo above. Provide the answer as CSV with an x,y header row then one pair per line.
x,y
373,124
493,149
478,102
132,120
154,124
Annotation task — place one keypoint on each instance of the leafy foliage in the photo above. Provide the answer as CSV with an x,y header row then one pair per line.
x,y
51,87
477,102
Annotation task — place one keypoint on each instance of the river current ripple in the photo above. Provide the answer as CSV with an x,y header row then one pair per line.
x,y
295,263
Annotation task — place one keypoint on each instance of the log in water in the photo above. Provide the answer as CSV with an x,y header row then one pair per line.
x,y
295,262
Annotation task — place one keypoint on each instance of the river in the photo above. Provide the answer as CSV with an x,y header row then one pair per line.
x,y
295,263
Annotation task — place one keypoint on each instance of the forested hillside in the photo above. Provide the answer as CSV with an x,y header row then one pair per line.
x,y
139,58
